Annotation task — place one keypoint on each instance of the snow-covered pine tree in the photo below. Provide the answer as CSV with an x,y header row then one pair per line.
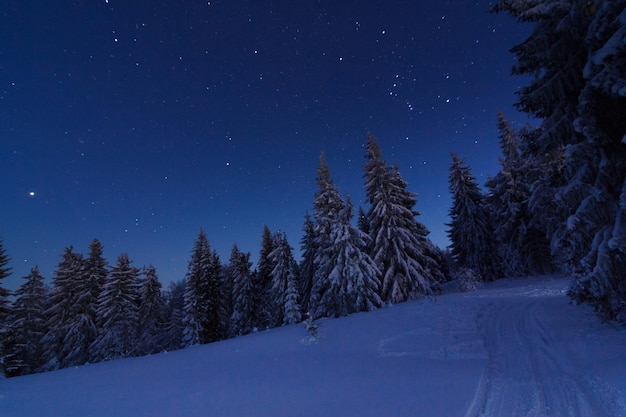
x,y
521,243
151,306
82,329
203,322
285,283
264,304
307,264
174,307
27,326
599,217
576,54
5,272
470,233
354,278
327,206
61,299
399,246
117,313
242,316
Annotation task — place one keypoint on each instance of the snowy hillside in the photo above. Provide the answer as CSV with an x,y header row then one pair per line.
x,y
514,347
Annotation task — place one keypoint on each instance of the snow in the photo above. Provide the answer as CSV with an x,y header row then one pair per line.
x,y
513,347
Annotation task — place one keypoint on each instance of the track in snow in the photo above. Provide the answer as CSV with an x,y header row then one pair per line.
x,y
529,372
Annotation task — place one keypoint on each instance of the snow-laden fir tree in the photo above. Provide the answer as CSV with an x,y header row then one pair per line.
x,y
5,271
399,246
354,278
327,207
307,264
521,244
150,316
470,233
60,313
576,55
239,273
203,304
174,314
82,329
264,304
285,283
27,326
117,313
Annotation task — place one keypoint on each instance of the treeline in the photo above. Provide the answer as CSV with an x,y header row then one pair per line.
x,y
95,312
559,200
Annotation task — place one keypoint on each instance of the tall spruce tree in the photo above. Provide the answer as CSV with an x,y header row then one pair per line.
x,y
242,318
203,322
150,315
82,328
522,244
354,278
399,246
285,283
27,326
117,312
61,312
470,233
263,301
174,315
327,207
307,264
5,272
576,58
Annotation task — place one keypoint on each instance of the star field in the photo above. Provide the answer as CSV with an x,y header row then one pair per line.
x,y
137,123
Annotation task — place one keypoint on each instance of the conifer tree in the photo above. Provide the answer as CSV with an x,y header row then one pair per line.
x,y
82,329
307,264
327,206
174,314
354,278
399,246
60,313
521,241
27,326
117,313
262,293
470,232
243,314
150,314
285,283
5,272
203,322
576,57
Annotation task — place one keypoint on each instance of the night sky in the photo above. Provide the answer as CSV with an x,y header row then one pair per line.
x,y
138,122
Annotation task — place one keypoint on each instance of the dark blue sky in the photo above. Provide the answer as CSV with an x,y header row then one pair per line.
x,y
139,122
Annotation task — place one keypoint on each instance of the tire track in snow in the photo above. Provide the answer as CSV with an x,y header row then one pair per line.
x,y
527,374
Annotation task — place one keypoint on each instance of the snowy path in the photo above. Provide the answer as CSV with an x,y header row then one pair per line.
x,y
514,347
530,371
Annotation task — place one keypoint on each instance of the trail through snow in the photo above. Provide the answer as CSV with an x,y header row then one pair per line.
x,y
514,348
530,371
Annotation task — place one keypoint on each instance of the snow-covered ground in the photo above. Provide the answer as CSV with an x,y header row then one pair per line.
x,y
512,348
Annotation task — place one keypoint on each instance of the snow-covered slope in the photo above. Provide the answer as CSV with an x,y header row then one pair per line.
x,y
514,347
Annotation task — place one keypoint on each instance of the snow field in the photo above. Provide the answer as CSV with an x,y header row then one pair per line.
x,y
512,348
